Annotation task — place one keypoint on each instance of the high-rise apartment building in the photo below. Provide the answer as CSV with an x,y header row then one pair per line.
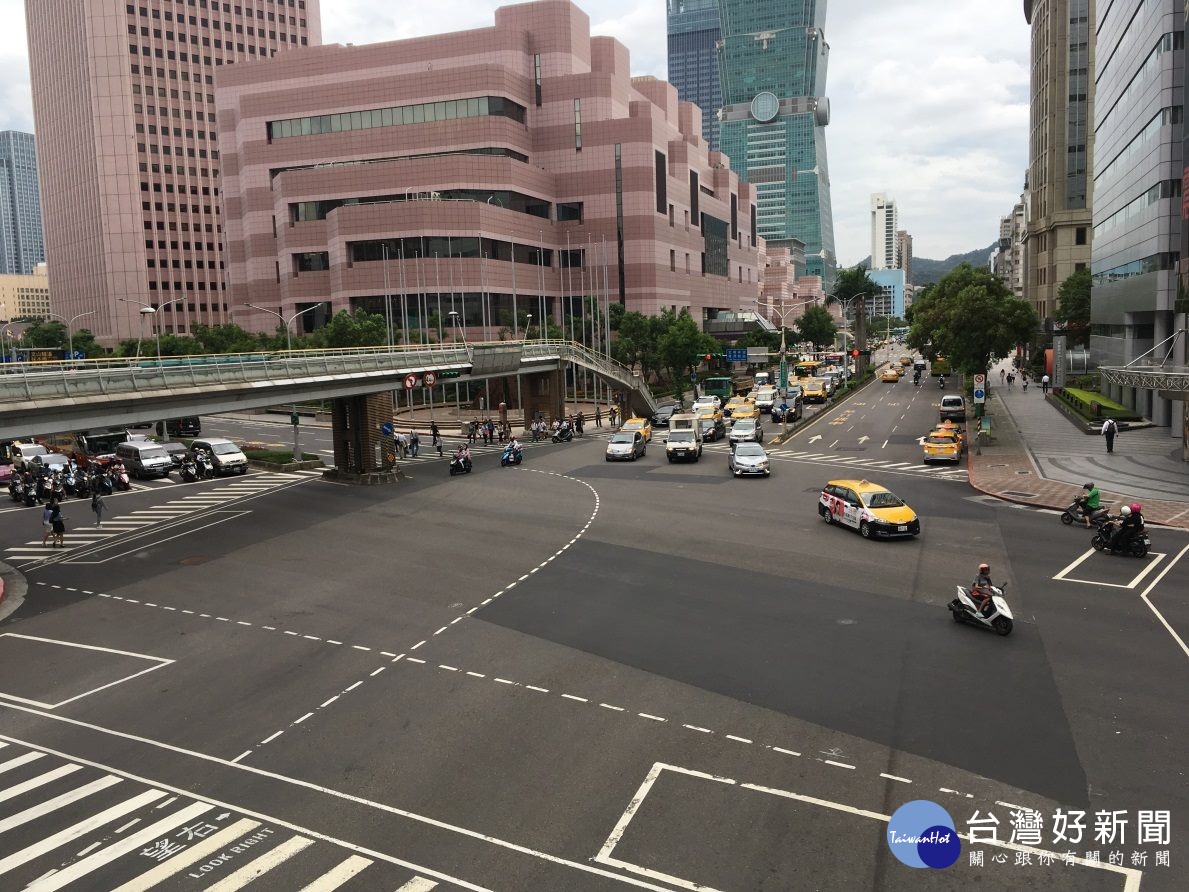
x,y
884,220
1138,175
1008,260
693,33
21,245
772,69
904,255
1060,145
124,106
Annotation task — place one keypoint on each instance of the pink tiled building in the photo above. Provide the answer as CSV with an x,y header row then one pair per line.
x,y
128,153
500,172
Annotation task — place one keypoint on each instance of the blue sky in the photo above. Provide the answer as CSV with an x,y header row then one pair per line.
x,y
929,100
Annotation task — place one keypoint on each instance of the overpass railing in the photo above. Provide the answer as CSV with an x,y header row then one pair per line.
x,y
33,381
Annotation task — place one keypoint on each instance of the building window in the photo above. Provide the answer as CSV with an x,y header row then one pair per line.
x,y
694,194
662,182
537,78
578,125
428,112
1080,236
670,215
569,211
313,261
672,260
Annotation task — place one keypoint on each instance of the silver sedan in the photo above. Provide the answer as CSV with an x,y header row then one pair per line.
x,y
749,458
746,430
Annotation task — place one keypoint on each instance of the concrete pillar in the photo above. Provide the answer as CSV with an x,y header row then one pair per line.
x,y
355,430
543,392
1161,411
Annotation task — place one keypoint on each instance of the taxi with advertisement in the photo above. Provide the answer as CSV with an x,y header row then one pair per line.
x,y
949,427
869,508
942,446
643,425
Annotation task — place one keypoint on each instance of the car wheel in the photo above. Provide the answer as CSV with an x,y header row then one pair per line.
x,y
864,530
644,452
767,473
827,516
607,457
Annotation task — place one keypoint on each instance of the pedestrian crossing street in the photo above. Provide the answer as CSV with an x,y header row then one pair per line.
x,y
81,535
75,824
429,454
867,464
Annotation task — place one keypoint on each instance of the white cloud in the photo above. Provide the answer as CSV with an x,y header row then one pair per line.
x,y
929,99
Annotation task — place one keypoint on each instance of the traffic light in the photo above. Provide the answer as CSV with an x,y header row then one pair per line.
x,y
854,353
293,418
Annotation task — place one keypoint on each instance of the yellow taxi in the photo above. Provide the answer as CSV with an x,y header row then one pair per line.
x,y
890,375
643,425
736,402
942,446
814,391
948,427
747,410
869,508
905,360
709,412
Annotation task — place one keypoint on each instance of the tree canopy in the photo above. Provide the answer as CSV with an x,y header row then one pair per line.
x,y
1073,306
971,318
816,325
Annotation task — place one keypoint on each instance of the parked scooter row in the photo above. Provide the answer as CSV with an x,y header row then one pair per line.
x,y
30,488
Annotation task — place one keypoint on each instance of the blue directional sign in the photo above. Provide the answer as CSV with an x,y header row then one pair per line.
x,y
386,428
736,354
979,395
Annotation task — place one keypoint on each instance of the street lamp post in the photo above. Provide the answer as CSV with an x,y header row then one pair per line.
x,y
150,310
289,349
784,352
69,333
847,303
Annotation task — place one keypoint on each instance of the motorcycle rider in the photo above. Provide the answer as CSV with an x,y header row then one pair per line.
x,y
1132,526
980,589
1089,501
941,381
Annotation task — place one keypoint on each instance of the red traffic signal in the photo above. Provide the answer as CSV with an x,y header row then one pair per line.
x,y
854,353
709,357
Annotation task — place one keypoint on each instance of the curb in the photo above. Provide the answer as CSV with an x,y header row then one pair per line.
x,y
13,589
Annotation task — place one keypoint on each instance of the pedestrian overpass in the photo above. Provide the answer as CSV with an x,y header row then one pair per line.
x,y
50,397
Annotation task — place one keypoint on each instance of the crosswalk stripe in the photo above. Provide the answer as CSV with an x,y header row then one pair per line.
x,y
262,865
418,884
51,805
195,853
338,874
39,781
82,828
111,853
19,761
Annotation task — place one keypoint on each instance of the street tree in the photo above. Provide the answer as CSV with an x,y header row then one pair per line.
x,y
1073,306
816,325
971,318
359,329
682,348
45,334
228,338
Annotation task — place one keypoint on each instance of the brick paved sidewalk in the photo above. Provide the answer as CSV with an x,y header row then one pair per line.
x,y
1006,470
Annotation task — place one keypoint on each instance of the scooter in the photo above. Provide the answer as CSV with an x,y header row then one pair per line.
x,y
121,478
16,489
999,619
1137,546
202,461
941,381
511,456
189,471
459,466
563,435
1075,512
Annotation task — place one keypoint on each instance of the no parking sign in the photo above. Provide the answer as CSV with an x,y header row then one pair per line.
x,y
980,388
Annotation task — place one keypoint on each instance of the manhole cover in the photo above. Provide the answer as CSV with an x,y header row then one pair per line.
x,y
1024,473
194,560
1017,494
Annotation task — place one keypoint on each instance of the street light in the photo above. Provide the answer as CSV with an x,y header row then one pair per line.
x,y
289,349
70,322
528,327
847,303
784,384
149,309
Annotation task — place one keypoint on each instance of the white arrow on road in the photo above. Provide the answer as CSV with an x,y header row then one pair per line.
x,y
864,438
920,441
815,438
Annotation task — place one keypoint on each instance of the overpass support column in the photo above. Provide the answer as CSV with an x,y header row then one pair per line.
x,y
356,433
542,392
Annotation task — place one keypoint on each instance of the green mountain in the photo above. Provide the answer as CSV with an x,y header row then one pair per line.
x,y
926,271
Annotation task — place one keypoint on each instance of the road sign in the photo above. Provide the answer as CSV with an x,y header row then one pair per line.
x,y
386,428
293,419
980,395
410,382
784,373
980,381
430,379
693,377
450,373
736,354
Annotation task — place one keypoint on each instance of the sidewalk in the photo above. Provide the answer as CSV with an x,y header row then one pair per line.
x,y
1039,458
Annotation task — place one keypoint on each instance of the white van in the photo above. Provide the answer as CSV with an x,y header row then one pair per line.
x,y
144,458
225,455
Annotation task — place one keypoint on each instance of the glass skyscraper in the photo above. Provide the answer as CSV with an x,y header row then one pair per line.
x,y
21,243
772,58
693,69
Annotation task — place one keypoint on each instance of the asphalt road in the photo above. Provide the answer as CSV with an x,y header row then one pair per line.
x,y
580,675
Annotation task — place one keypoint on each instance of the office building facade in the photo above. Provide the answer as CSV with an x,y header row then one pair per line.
x,y
772,71
1060,145
889,300
124,106
884,219
21,243
693,34
1138,123
510,170
1007,263
25,297
904,254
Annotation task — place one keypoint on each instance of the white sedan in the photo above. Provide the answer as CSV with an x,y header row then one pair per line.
x,y
748,458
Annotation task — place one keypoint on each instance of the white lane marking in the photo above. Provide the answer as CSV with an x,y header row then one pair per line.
x,y
571,697
902,780
651,718
696,728
838,764
175,865
343,871
262,865
19,761
740,739
786,752
39,781
1160,616
418,884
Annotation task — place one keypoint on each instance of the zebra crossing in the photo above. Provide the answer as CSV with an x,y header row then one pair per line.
x,y
868,464
429,454
72,823
81,536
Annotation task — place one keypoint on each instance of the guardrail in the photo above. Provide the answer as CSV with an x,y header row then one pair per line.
x,y
73,380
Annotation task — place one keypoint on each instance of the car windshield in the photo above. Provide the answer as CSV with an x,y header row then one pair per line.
x,y
623,438
940,440
681,437
156,452
224,448
749,449
744,424
633,424
881,500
